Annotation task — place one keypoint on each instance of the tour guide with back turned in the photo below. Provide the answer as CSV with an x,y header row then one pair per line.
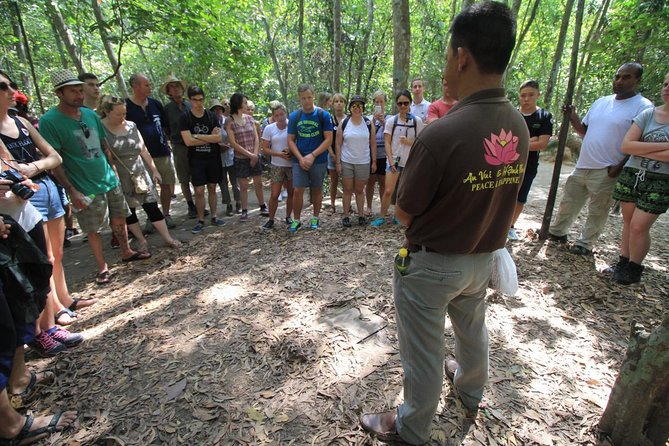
x,y
456,198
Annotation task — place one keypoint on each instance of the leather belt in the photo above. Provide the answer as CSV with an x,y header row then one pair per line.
x,y
415,248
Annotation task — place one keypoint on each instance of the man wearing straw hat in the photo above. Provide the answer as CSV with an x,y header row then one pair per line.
x,y
79,138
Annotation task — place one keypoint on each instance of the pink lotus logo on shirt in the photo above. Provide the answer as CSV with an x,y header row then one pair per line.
x,y
501,149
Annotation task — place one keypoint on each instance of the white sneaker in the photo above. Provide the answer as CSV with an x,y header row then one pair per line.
x,y
284,194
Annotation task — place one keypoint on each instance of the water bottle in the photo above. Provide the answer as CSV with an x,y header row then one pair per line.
x,y
88,199
402,261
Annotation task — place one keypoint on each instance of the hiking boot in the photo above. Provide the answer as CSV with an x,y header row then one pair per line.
x,y
244,216
199,227
217,222
192,211
628,274
264,211
46,346
378,222
206,212
314,223
228,210
268,225
238,208
294,226
346,222
557,238
65,337
512,235
362,221
622,261
169,222
289,220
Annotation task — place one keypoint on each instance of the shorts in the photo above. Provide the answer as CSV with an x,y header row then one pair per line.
x,y
180,152
165,169
380,167
332,162
47,199
359,172
649,192
205,171
309,178
279,174
96,216
243,168
528,178
399,169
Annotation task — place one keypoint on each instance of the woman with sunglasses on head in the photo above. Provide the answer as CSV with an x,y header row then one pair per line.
x,y
356,152
32,156
400,132
130,157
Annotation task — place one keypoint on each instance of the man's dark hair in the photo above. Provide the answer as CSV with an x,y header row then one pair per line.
x,y
529,83
236,102
637,66
488,31
83,77
304,87
194,90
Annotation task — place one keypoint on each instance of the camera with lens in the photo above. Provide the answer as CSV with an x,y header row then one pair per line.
x,y
16,178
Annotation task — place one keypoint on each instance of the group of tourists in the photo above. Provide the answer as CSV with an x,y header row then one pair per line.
x,y
102,157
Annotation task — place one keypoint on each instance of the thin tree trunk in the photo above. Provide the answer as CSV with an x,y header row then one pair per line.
x,y
365,44
557,58
300,39
523,32
586,53
59,44
516,7
401,46
564,127
28,55
336,47
21,55
64,32
638,409
349,77
108,47
275,60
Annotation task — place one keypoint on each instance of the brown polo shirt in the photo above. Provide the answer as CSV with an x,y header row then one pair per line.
x,y
462,177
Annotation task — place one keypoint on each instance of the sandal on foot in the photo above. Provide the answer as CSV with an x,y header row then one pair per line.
x,y
103,278
20,399
82,302
65,312
27,436
138,256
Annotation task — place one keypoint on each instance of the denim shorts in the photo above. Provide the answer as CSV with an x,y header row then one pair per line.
x,y
332,162
47,199
309,178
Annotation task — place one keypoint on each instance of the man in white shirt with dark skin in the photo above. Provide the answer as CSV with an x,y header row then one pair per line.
x,y
420,105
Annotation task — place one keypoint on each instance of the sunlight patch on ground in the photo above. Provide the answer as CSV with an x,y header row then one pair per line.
x,y
221,294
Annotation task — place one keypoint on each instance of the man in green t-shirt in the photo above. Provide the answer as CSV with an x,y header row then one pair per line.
x,y
79,137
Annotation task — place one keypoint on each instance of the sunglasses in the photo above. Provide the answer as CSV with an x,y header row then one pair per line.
x,y
403,103
357,105
4,86
85,129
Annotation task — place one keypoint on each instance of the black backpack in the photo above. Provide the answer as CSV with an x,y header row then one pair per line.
x,y
411,126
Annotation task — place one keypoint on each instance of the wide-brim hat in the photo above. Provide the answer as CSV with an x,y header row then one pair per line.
x,y
215,103
170,79
63,78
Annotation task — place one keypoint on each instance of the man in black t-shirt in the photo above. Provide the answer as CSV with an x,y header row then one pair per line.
x,y
540,124
201,133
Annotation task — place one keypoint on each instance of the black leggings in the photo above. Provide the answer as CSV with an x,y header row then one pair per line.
x,y
151,210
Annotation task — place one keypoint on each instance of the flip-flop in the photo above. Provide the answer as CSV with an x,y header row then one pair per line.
x,y
75,302
65,311
138,256
103,278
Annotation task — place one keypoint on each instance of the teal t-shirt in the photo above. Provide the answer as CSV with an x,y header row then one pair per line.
x,y
84,160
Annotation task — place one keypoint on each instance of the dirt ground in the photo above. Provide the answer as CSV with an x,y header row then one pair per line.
x,y
253,337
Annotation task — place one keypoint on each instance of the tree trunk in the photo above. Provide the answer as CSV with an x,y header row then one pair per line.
x,y
336,47
523,32
637,413
59,45
593,35
300,39
21,55
557,58
275,60
364,46
64,32
401,46
108,48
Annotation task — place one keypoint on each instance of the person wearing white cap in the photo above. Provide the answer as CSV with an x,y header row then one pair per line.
x,y
79,138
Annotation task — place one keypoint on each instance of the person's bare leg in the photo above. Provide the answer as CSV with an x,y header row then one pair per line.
x,y
639,235
359,190
121,232
346,199
257,183
20,376
47,317
166,191
391,181
274,200
289,200
244,192
185,191
298,201
95,243
11,422
627,209
55,230
516,212
164,232
136,230
213,200
334,182
317,200
199,202
369,192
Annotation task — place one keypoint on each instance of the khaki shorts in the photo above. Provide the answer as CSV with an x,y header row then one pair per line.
x,y
96,216
359,172
165,169
279,174
180,152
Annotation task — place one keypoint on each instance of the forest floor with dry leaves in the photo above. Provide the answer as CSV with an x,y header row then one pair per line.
x,y
253,337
